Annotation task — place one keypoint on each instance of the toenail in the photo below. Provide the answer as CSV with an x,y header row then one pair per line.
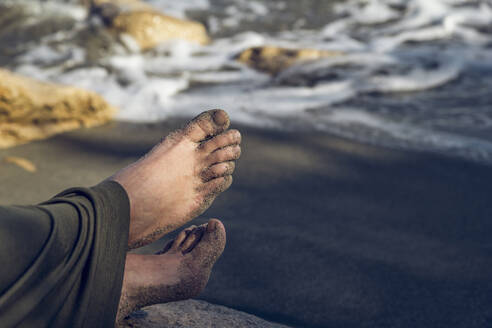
x,y
211,226
219,117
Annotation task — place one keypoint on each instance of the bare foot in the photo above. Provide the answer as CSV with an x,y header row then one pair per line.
x,y
178,272
180,177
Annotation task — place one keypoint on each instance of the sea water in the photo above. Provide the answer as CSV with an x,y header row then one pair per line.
x,y
414,74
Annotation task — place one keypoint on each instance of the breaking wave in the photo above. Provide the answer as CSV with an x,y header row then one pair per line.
x,y
413,74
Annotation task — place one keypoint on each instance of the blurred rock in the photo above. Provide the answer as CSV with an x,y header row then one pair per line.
x,y
23,163
31,109
273,60
145,24
194,314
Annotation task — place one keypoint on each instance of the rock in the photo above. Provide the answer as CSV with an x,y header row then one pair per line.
x,y
31,109
273,60
150,29
146,25
23,163
194,314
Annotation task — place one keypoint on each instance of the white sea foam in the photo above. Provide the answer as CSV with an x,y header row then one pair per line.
x,y
41,9
373,12
179,8
347,120
389,46
239,11
417,79
256,99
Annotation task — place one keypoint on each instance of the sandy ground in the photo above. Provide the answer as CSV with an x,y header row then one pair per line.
x,y
322,232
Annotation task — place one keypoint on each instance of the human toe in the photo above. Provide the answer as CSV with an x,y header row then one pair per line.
x,y
230,137
211,245
218,170
229,153
207,124
217,185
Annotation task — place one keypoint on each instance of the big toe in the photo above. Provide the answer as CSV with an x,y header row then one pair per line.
x,y
211,245
207,124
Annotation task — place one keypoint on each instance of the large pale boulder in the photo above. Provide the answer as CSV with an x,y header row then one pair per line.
x,y
194,314
146,25
273,60
31,109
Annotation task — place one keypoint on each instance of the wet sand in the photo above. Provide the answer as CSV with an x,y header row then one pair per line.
x,y
322,232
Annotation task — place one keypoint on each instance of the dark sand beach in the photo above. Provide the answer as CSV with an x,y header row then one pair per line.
x,y
322,232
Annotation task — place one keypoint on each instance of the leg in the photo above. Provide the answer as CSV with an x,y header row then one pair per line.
x,y
179,272
63,260
81,239
180,177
